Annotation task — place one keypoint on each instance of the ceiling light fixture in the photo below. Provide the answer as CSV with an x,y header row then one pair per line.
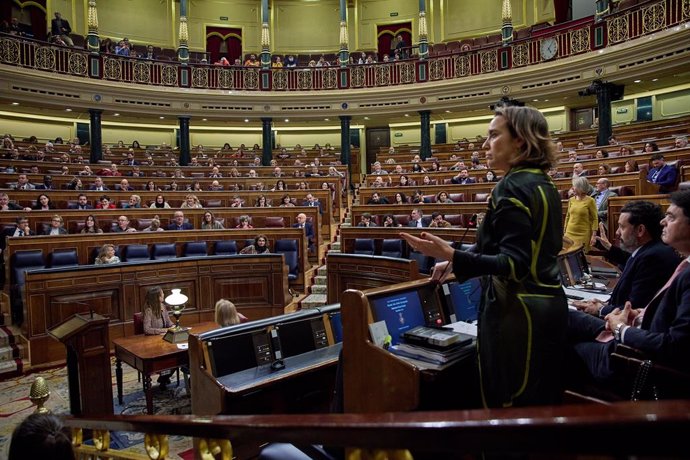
x,y
116,114
637,81
15,103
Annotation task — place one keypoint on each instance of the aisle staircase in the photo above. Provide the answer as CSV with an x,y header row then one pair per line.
x,y
318,291
12,350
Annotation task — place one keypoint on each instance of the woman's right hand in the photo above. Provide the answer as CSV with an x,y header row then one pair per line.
x,y
602,238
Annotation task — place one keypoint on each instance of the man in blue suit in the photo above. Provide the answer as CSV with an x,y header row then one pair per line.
x,y
178,222
662,329
647,262
662,174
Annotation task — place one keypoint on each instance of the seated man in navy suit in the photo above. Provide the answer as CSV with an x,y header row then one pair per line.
x,y
308,228
463,177
661,329
647,262
178,222
662,174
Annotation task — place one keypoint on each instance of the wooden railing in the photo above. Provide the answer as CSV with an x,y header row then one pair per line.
x,y
625,428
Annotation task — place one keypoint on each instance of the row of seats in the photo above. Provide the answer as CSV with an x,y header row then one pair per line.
x,y
394,247
480,197
23,261
455,220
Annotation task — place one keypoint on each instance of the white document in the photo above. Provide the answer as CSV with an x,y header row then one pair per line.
x,y
586,295
465,328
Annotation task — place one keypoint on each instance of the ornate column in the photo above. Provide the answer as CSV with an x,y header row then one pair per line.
x,y
425,150
95,138
507,28
604,97
423,32
344,55
345,145
92,23
266,147
183,36
265,37
184,140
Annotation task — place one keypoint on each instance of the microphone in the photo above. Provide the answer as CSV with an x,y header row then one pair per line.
x,y
471,223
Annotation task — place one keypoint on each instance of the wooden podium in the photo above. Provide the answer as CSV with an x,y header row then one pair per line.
x,y
88,363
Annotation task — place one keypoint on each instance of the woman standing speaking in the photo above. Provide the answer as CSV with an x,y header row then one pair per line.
x,y
523,315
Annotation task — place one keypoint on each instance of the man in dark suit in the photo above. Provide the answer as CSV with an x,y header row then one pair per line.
x,y
647,261
82,203
23,183
47,183
98,185
7,205
308,228
61,27
178,222
416,219
662,329
662,174
601,195
463,177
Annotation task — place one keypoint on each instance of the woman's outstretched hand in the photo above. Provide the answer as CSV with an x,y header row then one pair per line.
x,y
430,245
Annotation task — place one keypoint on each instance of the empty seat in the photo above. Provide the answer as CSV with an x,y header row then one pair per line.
x,y
138,323
425,263
225,248
481,197
136,252
364,246
162,251
455,220
195,249
392,248
214,203
289,250
274,222
457,197
63,258
23,261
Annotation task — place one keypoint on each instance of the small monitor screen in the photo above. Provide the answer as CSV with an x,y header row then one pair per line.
x,y
336,326
299,337
573,267
401,311
238,352
463,299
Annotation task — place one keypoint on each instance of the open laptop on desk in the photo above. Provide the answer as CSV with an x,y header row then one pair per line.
x,y
577,278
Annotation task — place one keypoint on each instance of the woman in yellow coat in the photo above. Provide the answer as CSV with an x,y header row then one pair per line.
x,y
581,219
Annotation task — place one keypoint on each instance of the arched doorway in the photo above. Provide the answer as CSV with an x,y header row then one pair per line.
x,y
223,42
387,33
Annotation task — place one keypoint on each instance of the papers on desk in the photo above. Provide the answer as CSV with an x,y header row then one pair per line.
x,y
465,328
182,346
586,295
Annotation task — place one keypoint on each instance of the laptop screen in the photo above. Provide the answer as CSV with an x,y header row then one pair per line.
x,y
573,267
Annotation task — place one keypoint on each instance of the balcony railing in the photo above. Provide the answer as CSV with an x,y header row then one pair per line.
x,y
572,39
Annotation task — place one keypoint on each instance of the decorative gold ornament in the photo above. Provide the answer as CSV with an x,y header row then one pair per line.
x,y
265,36
437,69
39,394
225,78
343,35
200,77
184,32
251,78
462,66
488,60
507,12
209,449
92,20
156,446
520,55
423,31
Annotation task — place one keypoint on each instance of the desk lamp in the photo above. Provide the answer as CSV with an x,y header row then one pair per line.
x,y
176,334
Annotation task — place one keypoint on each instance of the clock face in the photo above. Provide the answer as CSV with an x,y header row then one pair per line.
x,y
548,48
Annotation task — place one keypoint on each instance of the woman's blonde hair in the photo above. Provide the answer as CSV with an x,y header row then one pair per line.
x,y
103,251
226,313
530,125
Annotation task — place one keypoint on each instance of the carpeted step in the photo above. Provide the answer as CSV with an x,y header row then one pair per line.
x,y
313,301
318,289
333,251
335,246
321,280
347,220
322,271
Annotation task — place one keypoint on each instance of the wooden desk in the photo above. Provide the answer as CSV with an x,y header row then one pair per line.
x,y
150,354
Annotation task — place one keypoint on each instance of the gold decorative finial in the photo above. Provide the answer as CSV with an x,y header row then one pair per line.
x,y
39,394
92,21
184,33
343,35
507,11
422,25
265,36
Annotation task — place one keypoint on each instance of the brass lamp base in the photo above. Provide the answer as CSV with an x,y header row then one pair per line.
x,y
177,335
